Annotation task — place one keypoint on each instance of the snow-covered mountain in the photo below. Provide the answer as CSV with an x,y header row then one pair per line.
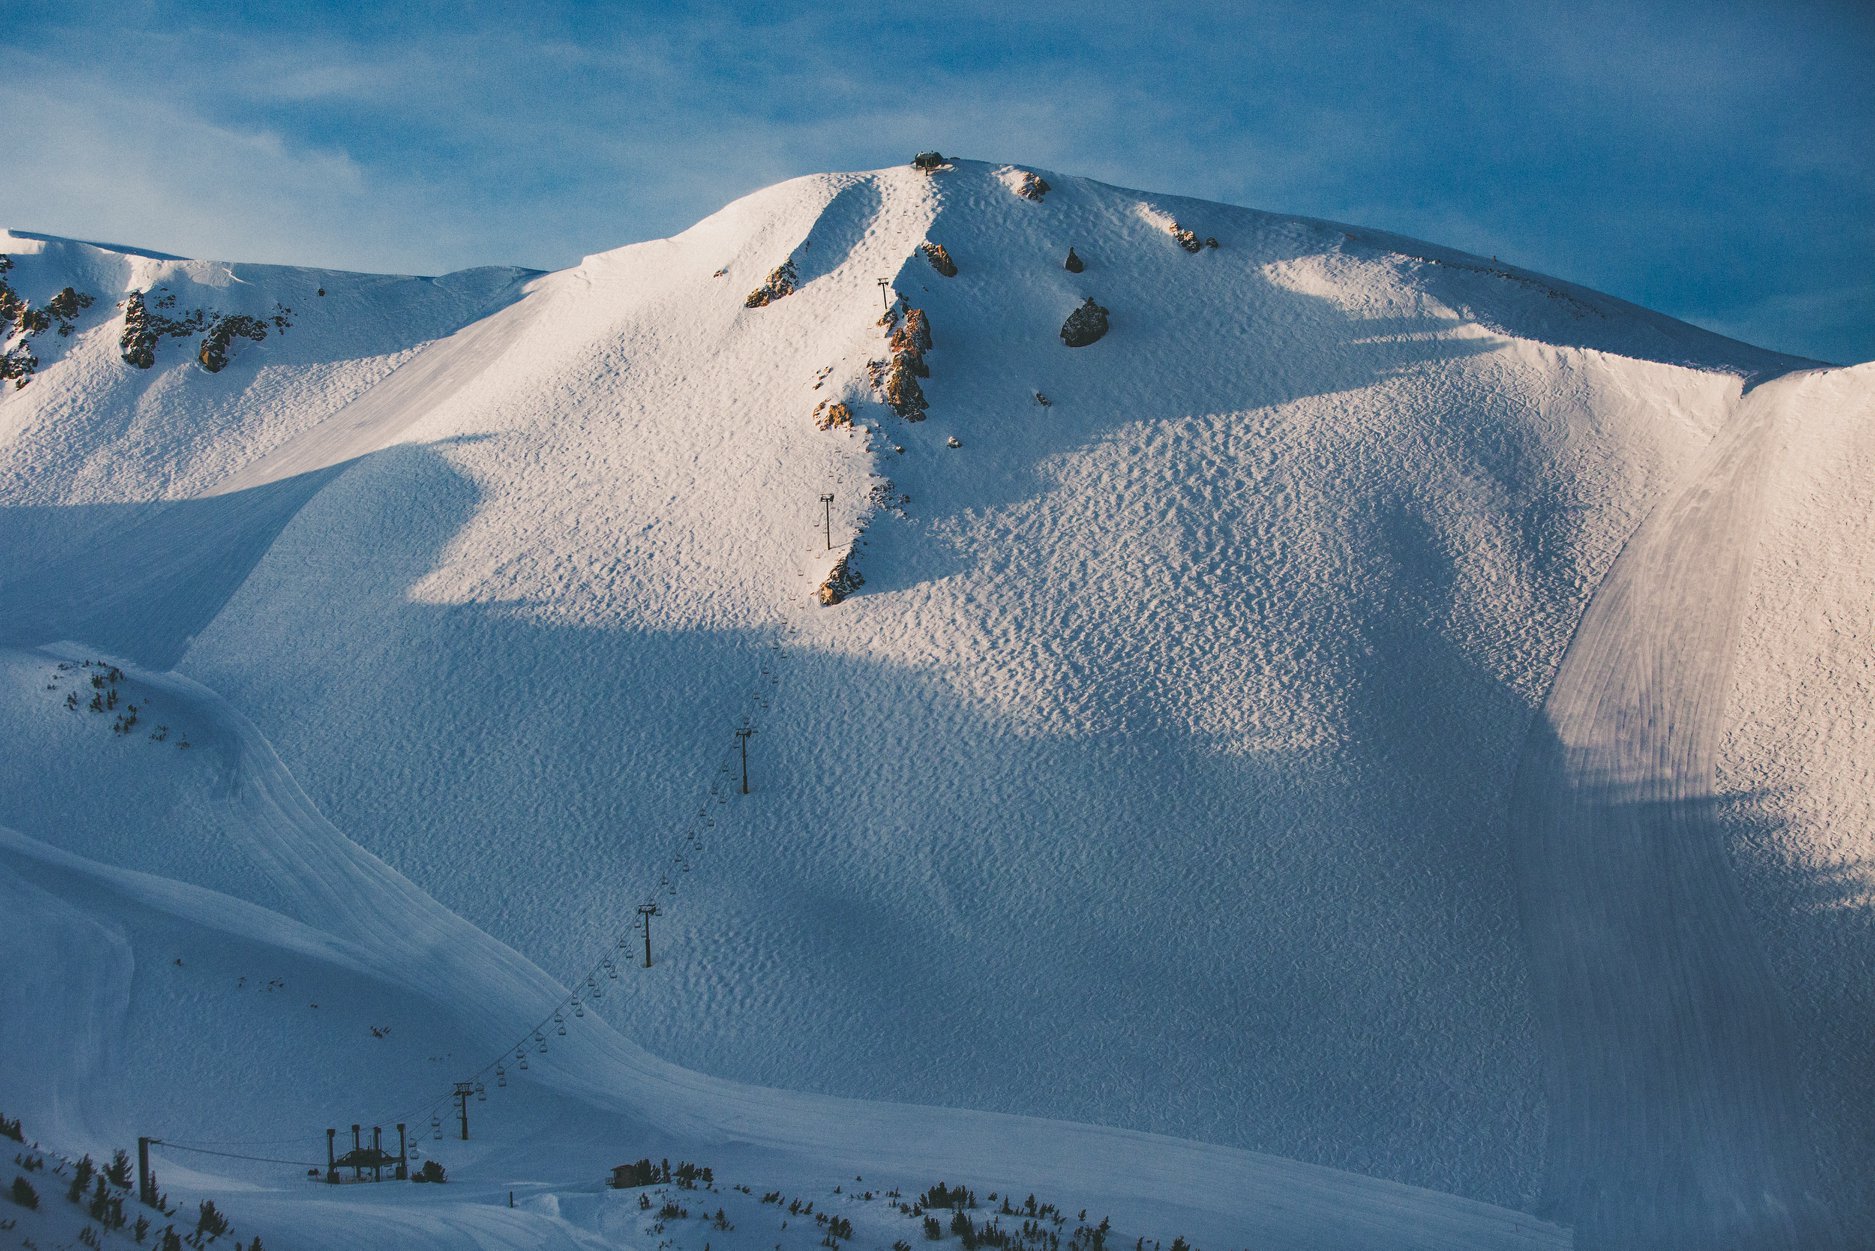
x,y
1371,751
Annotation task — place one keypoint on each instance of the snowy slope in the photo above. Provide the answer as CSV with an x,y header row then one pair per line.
x,y
1160,775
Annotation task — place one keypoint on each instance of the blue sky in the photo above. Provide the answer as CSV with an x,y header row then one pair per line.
x,y
1715,161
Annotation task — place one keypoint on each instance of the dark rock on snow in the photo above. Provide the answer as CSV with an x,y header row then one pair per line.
x,y
1085,324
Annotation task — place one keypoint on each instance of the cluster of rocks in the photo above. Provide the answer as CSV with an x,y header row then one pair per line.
x,y
842,581
18,316
1085,324
147,321
829,414
1032,186
65,307
1189,239
1073,264
896,380
213,353
940,258
779,283
912,339
143,326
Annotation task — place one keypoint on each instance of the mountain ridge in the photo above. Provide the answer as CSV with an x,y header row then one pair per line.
x,y
1246,627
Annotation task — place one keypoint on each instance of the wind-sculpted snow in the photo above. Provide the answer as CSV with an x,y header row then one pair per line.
x,y
1158,775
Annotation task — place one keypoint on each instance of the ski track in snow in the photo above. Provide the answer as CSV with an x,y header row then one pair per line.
x,y
1677,1119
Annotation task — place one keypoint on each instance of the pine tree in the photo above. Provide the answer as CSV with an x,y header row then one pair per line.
x,y
211,1221
119,1171
81,1178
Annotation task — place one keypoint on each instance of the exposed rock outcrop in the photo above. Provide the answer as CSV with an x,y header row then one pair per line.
x,y
213,354
842,581
897,385
65,307
829,414
143,326
1085,324
1032,186
17,365
18,316
912,338
778,285
940,259
1073,264
896,379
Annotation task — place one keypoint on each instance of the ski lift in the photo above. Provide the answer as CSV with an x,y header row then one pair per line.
x,y
481,1093
436,1128
579,1009
523,1065
612,972
543,1046
563,1029
501,1077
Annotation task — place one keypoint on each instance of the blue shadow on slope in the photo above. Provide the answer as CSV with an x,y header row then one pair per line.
x,y
1688,1110
138,580
842,225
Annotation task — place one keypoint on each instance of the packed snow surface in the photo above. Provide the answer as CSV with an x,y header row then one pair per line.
x,y
1372,751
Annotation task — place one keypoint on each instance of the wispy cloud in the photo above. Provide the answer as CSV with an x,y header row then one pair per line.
x,y
1669,155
